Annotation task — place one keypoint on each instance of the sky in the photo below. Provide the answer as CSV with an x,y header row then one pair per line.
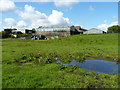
x,y
100,15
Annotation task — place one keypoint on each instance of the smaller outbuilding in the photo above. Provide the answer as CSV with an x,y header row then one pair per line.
x,y
28,31
94,31
76,30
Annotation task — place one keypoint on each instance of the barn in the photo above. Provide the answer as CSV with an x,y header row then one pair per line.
x,y
93,31
60,31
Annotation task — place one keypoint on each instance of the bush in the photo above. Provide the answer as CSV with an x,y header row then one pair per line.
x,y
114,29
27,36
22,35
0,35
5,34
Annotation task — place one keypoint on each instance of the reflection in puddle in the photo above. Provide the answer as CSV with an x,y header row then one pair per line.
x,y
98,66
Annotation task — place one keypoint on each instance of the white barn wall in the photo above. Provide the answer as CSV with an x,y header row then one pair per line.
x,y
93,32
22,30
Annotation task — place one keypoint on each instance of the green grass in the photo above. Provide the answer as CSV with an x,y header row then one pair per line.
x,y
54,76
101,46
21,68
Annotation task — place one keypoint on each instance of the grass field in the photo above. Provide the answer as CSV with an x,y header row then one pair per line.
x,y
23,68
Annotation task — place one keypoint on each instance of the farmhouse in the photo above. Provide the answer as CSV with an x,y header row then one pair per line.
x,y
93,31
19,31
60,31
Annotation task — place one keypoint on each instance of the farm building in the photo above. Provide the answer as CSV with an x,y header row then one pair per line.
x,y
10,29
93,31
21,30
28,31
60,31
16,32
76,30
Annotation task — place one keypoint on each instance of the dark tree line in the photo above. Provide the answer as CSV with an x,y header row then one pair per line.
x,y
6,33
114,29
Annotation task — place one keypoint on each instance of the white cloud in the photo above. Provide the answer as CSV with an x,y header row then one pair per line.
x,y
41,19
79,24
7,5
35,17
10,21
56,18
91,8
59,3
104,27
66,3
21,24
67,0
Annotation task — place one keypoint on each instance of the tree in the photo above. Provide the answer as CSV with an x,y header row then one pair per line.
x,y
40,27
114,29
6,33
33,29
0,35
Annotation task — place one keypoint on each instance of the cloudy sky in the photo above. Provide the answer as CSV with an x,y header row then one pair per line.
x,y
89,15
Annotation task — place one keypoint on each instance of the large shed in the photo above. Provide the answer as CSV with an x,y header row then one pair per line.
x,y
60,31
93,31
